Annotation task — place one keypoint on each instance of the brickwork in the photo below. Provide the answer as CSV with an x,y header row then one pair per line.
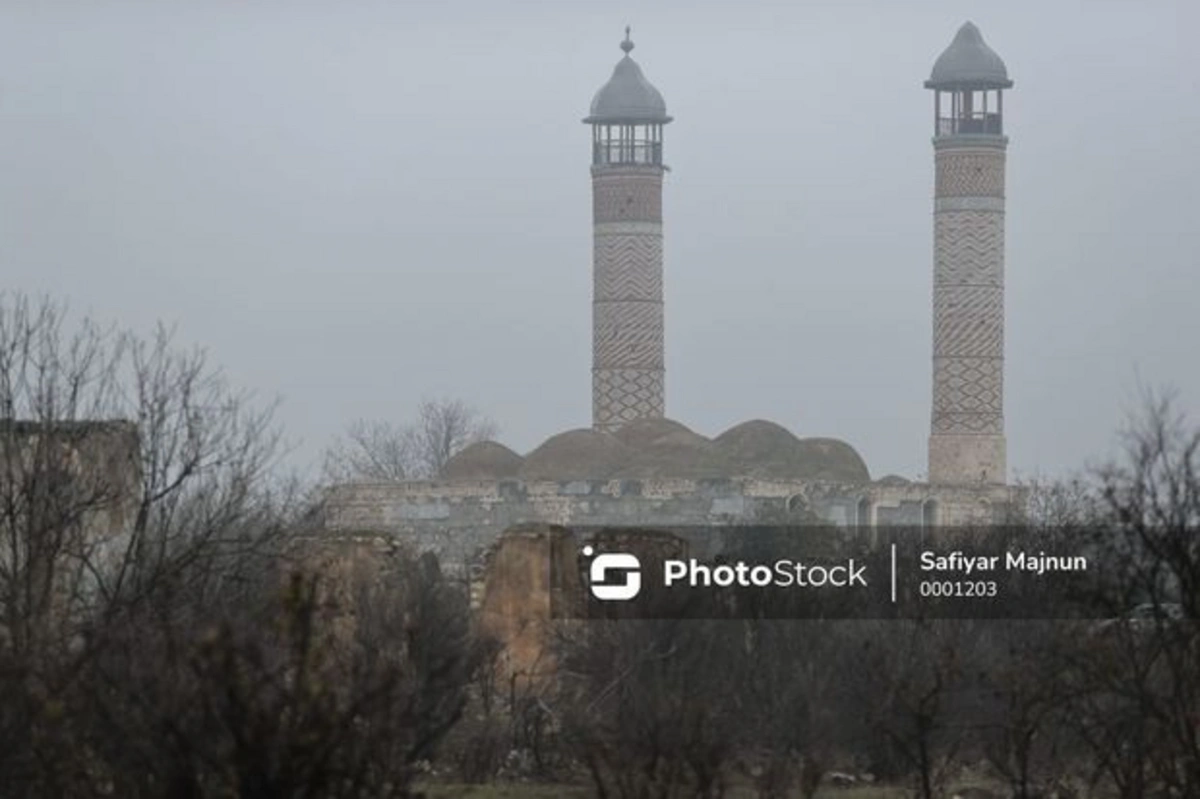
x,y
966,444
627,310
627,194
970,171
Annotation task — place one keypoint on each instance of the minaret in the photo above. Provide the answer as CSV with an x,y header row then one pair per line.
x,y
966,443
627,118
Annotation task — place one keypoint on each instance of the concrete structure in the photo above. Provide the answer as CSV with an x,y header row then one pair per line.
x,y
627,118
966,442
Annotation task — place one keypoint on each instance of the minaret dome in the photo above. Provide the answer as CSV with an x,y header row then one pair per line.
x,y
627,116
968,80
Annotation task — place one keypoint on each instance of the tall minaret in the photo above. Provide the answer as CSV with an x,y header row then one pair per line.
x,y
627,119
966,444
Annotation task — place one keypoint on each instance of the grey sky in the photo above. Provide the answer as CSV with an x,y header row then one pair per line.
x,y
352,206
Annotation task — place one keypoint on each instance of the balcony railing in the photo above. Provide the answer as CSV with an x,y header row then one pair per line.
x,y
616,153
977,122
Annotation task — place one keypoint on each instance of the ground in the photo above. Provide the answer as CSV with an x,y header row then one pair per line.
x,y
536,791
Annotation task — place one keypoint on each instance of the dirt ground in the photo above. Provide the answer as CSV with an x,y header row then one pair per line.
x,y
536,791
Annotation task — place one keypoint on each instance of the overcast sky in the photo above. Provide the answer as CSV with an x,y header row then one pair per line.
x,y
354,205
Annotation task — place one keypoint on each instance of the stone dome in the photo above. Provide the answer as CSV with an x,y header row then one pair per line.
x,y
576,455
833,459
628,97
663,448
968,63
483,460
641,432
666,448
760,448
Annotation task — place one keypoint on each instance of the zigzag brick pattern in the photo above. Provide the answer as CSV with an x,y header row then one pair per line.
x,y
628,334
967,424
968,321
627,267
969,247
627,309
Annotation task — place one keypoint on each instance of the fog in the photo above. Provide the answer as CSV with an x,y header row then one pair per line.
x,y
354,206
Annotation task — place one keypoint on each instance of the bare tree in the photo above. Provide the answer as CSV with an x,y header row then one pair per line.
x,y
383,451
913,683
1136,682
649,706
445,427
338,685
129,472
370,450
156,637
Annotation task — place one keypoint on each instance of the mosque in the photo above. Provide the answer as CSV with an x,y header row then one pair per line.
x,y
636,466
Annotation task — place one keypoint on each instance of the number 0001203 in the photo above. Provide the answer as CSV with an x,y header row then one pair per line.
x,y
955,588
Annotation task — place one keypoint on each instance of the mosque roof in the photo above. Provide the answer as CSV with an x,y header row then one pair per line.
x,y
576,455
664,448
483,460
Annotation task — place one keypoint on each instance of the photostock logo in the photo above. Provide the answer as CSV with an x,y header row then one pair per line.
x,y
614,575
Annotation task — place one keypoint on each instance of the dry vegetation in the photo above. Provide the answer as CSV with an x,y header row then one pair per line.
x,y
193,648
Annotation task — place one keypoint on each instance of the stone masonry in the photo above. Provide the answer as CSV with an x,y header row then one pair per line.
x,y
627,296
966,443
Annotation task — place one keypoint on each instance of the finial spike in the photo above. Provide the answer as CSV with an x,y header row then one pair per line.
x,y
627,45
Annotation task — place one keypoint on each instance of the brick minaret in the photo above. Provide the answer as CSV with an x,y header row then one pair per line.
x,y
627,118
966,444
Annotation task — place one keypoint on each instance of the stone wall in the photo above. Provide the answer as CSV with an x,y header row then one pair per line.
x,y
459,518
85,472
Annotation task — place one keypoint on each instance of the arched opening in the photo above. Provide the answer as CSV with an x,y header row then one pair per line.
x,y
929,514
862,515
627,144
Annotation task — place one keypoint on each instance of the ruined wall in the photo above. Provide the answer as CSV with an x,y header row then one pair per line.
x,y
69,496
518,595
87,474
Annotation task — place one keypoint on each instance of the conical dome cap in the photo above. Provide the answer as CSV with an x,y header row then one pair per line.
x,y
628,97
968,63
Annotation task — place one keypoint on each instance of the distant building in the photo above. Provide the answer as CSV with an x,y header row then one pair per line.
x,y
635,467
69,497
69,476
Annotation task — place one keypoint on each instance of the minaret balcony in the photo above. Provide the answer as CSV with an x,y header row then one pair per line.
x,y
988,123
627,154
